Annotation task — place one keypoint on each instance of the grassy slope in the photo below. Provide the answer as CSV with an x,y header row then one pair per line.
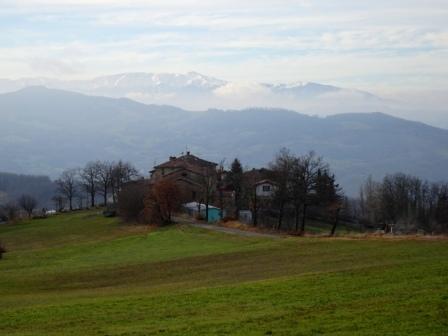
x,y
81,274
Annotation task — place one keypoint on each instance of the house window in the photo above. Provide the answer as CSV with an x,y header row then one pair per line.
x,y
266,188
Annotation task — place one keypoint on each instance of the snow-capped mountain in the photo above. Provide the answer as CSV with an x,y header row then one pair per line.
x,y
146,82
125,83
198,92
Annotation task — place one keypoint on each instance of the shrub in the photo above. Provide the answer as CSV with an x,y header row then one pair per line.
x,y
131,201
11,211
2,250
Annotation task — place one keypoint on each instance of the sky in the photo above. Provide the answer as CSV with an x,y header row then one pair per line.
x,y
382,46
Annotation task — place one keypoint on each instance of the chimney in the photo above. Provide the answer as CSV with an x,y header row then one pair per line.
x,y
188,153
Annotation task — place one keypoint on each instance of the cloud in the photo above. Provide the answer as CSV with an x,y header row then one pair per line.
x,y
394,48
375,46
241,90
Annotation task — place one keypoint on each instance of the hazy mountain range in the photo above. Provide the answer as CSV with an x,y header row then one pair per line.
x,y
195,91
43,131
12,186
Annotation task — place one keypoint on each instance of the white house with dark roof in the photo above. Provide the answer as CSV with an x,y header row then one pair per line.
x,y
264,188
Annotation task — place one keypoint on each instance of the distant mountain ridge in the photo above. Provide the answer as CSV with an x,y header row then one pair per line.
x,y
125,81
199,92
44,131
12,186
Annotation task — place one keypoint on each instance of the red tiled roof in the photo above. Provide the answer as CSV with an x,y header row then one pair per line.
x,y
187,161
264,182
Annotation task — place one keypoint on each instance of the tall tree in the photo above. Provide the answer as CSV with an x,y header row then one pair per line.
x,y
370,201
310,168
208,186
250,191
27,203
121,172
281,170
59,202
67,185
442,207
89,180
220,182
166,195
329,197
105,179
236,180
296,188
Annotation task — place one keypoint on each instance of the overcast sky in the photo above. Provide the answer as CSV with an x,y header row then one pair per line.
x,y
380,46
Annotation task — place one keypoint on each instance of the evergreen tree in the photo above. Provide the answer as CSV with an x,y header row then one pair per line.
x,y
236,180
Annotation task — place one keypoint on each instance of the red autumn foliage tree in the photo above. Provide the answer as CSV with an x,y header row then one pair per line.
x,y
163,199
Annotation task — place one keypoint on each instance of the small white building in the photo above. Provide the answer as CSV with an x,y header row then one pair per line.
x,y
245,216
194,209
264,188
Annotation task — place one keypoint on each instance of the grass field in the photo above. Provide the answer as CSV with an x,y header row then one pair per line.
x,y
82,274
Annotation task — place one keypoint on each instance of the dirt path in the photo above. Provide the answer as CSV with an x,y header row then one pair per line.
x,y
215,227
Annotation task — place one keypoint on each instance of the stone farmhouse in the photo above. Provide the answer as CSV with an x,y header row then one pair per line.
x,y
189,172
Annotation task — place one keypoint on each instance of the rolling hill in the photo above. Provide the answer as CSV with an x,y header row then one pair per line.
x,y
44,131
82,274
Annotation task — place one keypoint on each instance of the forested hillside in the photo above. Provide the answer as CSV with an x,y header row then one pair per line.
x,y
50,130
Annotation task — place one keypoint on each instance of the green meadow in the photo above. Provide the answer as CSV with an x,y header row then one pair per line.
x,y
82,274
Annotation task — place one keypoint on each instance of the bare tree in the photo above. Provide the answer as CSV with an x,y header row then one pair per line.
x,y
281,170
296,182
27,203
329,197
208,186
105,179
67,185
166,194
59,202
121,173
441,214
406,202
82,200
253,201
310,167
370,201
89,180
295,188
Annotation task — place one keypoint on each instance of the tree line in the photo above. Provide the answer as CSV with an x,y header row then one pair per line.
x,y
97,180
304,188
88,186
300,182
404,202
